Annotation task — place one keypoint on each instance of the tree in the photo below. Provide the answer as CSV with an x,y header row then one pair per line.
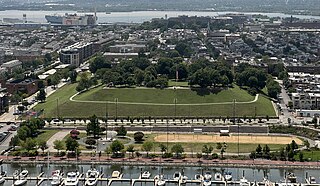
x,y
42,145
147,146
177,149
29,144
207,149
116,146
84,82
58,145
219,146
163,148
138,136
131,149
266,151
93,127
99,62
24,132
71,144
259,151
14,141
121,131
294,145
41,95
301,159
73,76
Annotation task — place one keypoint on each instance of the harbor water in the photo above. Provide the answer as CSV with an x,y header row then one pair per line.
x,y
131,17
133,172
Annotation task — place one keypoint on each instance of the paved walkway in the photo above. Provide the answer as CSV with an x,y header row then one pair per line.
x,y
160,104
57,136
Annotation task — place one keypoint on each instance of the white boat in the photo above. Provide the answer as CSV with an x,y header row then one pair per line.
x,y
198,177
228,176
177,176
184,179
2,175
145,175
24,173
207,182
207,176
116,174
218,176
56,179
312,180
92,176
159,180
244,182
72,179
20,182
22,178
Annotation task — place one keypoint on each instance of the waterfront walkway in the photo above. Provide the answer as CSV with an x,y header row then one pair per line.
x,y
163,162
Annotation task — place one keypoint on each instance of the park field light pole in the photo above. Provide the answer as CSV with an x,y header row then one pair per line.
x,y
116,100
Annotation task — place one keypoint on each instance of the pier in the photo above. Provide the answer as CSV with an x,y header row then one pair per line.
x,y
40,179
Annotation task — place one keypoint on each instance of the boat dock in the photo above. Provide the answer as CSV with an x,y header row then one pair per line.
x,y
40,179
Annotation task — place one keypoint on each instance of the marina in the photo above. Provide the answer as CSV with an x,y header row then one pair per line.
x,y
42,175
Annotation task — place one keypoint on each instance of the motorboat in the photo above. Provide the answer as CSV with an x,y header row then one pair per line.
x,y
291,178
184,179
22,178
218,176
207,176
116,174
24,173
207,182
145,175
159,180
72,179
2,175
228,176
198,177
177,176
312,180
56,178
92,176
244,182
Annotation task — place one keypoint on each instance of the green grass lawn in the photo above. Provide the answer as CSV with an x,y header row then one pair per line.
x,y
172,83
70,109
184,96
45,135
312,155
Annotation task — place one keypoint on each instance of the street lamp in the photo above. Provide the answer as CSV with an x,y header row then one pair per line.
x,y
116,100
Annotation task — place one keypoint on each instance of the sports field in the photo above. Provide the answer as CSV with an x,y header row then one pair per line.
x,y
142,102
253,139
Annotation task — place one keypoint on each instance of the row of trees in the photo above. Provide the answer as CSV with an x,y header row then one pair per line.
x,y
24,138
284,154
140,71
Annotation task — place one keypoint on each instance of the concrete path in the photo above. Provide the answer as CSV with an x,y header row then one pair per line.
x,y
57,136
160,104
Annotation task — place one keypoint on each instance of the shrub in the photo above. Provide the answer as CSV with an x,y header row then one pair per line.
x,y
90,141
138,136
167,155
215,156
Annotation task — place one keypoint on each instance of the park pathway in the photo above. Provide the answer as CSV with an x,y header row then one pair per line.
x,y
57,136
161,104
